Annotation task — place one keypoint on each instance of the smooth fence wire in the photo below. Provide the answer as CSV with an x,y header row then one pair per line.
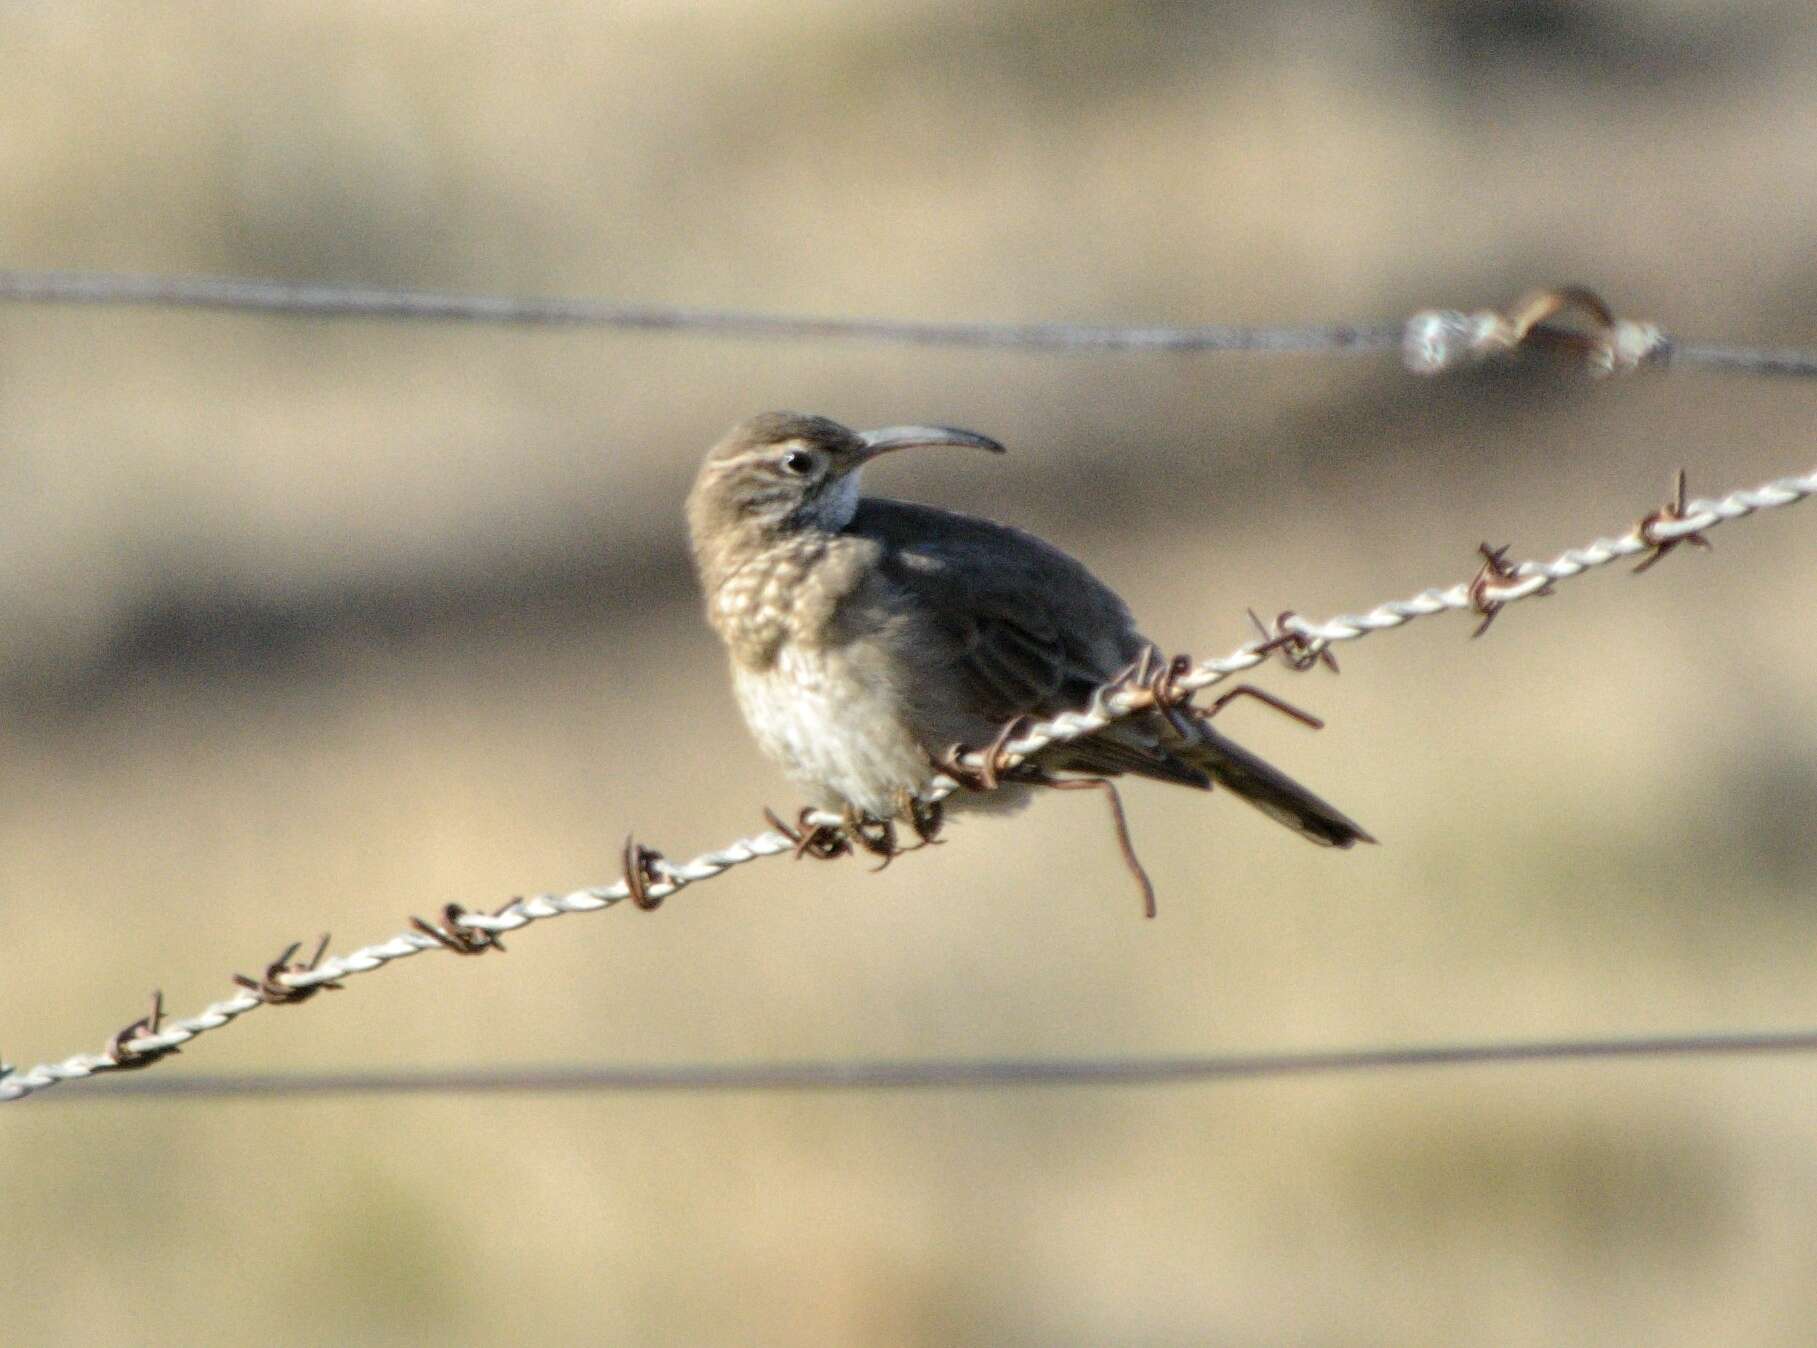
x,y
1430,342
945,1074
650,878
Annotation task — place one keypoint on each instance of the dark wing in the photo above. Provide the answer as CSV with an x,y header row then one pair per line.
x,y
1016,625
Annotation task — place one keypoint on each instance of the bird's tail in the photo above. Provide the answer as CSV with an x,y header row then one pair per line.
x,y
1271,791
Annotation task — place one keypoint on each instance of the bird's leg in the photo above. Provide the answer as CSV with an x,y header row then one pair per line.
x,y
923,817
1121,821
1281,705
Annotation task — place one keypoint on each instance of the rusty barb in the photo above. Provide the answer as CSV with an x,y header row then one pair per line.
x,y
456,936
1153,683
643,868
1438,341
1165,683
1496,571
274,991
818,839
119,1048
1298,651
1672,512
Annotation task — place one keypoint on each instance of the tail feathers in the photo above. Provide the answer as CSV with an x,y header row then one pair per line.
x,y
1273,792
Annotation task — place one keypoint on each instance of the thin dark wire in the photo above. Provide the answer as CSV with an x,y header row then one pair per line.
x,y
309,299
1801,364
322,301
979,1074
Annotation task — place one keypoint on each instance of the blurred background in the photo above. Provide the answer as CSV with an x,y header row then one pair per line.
x,y
312,625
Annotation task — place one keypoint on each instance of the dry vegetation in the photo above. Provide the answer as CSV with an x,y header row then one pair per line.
x,y
315,625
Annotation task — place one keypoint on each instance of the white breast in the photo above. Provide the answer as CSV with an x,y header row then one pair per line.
x,y
835,728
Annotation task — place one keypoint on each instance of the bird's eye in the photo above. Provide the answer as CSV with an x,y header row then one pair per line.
x,y
798,462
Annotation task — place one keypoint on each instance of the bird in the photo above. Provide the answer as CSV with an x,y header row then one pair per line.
x,y
867,637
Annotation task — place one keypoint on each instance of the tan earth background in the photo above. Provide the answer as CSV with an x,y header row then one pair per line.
x,y
312,625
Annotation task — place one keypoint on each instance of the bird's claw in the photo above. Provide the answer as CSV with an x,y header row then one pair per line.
x,y
813,837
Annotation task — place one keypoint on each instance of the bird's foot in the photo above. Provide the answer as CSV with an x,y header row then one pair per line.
x,y
856,830
876,836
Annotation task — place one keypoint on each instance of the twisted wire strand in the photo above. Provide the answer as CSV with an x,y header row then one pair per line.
x,y
1532,578
666,878
1431,342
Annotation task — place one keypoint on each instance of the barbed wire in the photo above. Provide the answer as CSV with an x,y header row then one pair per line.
x,y
1433,341
650,878
948,1074
1302,644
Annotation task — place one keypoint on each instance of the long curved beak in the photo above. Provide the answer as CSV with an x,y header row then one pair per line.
x,y
915,437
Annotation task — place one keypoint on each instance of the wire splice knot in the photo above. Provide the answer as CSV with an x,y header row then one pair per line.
x,y
1438,341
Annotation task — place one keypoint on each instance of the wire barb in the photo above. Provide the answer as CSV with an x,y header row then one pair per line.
x,y
1120,821
984,769
1297,651
458,935
1267,699
120,1052
810,836
1494,575
1671,513
1494,570
643,868
272,990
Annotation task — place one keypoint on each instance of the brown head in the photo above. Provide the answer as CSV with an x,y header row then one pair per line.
x,y
782,473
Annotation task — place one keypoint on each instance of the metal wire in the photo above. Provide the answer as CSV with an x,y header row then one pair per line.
x,y
1431,342
1747,360
943,1074
323,301
1496,586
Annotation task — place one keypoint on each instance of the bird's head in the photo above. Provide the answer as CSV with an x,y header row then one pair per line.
x,y
784,472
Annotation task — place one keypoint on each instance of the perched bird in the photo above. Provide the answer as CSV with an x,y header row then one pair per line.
x,y
868,636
